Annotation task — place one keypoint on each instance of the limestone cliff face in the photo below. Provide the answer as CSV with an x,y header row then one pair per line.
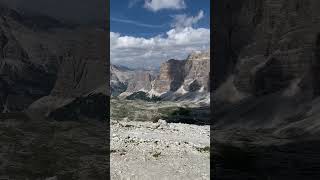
x,y
171,76
191,74
197,69
184,80
269,45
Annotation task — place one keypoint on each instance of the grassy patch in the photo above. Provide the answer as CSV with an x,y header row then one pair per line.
x,y
181,112
143,96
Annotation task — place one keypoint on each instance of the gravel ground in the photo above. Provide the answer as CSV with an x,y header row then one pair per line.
x,y
146,150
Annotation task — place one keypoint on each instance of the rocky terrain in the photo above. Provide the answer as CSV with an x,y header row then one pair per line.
x,y
265,89
159,151
53,98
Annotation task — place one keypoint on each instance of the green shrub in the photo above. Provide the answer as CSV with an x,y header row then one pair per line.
x,y
181,112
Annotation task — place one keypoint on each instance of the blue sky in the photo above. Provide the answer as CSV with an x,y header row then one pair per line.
x,y
145,33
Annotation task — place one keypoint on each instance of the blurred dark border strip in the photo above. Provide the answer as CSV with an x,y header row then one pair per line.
x,y
108,83
212,164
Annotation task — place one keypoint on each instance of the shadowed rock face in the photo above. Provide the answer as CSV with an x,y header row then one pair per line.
x,y
279,53
273,44
27,68
82,77
52,71
55,61
266,58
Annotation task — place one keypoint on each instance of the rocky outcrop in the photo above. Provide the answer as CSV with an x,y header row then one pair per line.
x,y
197,69
170,77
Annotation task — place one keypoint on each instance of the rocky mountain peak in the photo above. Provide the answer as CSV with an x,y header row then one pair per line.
x,y
199,56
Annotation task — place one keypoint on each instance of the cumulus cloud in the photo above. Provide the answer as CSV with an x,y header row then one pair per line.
x,y
176,43
182,20
151,52
156,5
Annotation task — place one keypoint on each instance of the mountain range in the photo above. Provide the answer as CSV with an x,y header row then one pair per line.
x,y
176,80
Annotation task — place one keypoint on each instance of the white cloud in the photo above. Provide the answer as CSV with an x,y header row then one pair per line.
x,y
182,20
151,52
128,21
156,5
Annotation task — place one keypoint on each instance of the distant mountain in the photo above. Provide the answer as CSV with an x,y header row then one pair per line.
x,y
176,80
119,79
126,80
